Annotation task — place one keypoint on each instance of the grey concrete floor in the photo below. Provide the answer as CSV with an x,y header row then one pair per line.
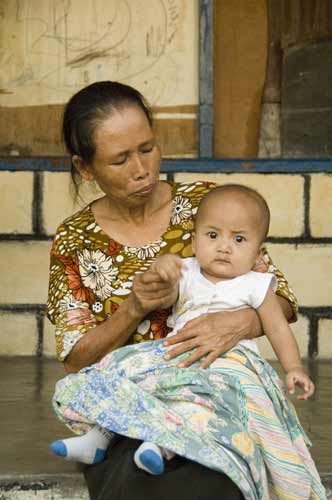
x,y
28,424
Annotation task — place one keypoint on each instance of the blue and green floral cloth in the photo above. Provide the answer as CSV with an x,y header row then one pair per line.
x,y
233,417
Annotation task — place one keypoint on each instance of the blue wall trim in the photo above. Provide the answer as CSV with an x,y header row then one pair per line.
x,y
205,165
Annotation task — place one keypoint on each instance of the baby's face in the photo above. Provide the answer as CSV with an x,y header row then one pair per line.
x,y
227,237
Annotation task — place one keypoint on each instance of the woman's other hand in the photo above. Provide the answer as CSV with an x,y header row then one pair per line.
x,y
212,334
151,292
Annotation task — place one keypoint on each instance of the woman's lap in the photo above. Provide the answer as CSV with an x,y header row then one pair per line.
x,y
118,478
232,387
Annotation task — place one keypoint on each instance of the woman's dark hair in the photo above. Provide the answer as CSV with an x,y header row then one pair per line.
x,y
88,108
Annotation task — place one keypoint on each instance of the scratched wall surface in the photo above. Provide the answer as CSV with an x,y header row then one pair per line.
x,y
53,48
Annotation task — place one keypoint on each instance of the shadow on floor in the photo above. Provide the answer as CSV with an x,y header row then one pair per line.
x,y
28,424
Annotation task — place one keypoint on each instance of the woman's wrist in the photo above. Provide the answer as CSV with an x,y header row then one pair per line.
x,y
134,308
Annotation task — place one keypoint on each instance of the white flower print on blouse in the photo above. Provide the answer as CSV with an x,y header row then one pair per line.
x,y
70,338
68,303
97,307
144,327
145,252
97,272
182,209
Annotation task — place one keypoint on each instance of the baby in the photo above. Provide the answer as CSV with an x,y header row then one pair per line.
x,y
231,225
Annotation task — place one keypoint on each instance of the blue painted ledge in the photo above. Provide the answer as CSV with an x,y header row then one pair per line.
x,y
206,165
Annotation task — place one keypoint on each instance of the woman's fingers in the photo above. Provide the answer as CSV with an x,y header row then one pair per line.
x,y
188,331
193,358
178,338
208,360
180,349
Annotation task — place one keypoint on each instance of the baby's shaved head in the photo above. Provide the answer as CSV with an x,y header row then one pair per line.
x,y
256,203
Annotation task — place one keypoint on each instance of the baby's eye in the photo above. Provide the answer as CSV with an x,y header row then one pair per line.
x,y
212,234
239,238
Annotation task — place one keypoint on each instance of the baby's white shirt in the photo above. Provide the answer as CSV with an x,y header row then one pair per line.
x,y
197,295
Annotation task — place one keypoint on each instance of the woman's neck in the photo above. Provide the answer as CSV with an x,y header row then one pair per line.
x,y
135,225
136,214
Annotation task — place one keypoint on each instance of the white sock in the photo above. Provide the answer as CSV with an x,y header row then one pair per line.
x,y
89,449
148,457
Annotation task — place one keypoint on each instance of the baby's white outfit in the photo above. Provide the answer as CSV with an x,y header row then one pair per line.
x,y
197,295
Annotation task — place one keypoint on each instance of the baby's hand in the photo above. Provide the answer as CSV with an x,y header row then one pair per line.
x,y
298,377
168,267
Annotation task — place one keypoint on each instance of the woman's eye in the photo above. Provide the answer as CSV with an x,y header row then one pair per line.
x,y
212,235
120,161
239,238
147,149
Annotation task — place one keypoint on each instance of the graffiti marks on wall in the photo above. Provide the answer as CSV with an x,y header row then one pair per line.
x,y
51,48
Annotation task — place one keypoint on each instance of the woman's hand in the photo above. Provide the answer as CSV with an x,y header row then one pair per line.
x,y
213,334
150,291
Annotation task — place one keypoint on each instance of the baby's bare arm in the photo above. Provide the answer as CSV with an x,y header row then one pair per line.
x,y
168,267
284,345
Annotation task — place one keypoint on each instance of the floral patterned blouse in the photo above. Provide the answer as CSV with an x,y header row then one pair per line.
x,y
91,273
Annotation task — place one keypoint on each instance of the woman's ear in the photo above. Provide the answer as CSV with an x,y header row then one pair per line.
x,y
82,168
193,242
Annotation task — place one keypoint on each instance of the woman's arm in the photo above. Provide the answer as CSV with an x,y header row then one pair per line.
x,y
285,294
104,338
154,289
149,292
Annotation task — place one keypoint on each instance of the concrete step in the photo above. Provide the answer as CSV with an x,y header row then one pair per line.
x,y
46,487
66,487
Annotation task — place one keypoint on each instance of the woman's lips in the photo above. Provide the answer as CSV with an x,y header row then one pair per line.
x,y
145,190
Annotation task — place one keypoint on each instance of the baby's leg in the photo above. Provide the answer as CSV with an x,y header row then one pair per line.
x,y
89,449
149,457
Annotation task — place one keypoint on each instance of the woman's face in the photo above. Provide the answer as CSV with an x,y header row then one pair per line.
x,y
127,159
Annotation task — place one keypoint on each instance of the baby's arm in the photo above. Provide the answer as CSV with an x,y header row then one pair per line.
x,y
168,270
168,267
284,345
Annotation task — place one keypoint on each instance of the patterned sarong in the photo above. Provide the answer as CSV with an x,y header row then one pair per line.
x,y
233,417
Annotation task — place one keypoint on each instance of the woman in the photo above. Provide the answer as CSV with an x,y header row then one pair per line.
x,y
100,298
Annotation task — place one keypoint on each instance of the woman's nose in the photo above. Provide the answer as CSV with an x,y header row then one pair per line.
x,y
140,169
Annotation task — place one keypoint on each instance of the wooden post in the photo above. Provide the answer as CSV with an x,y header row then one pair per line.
x,y
269,137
